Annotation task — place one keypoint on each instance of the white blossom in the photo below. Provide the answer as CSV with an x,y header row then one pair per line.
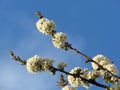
x,y
114,79
107,64
100,59
38,64
45,26
47,63
92,74
85,84
59,40
108,78
69,88
74,81
33,64
61,65
112,68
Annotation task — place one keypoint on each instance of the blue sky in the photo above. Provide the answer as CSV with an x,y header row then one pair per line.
x,y
92,26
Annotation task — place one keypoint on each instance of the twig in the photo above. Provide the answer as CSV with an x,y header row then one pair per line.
x,y
62,81
39,14
17,58
89,81
89,59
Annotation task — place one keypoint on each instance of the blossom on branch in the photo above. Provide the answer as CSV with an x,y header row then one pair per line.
x,y
108,65
45,26
61,65
77,81
100,59
112,68
47,63
33,64
59,40
92,74
74,81
38,64
105,62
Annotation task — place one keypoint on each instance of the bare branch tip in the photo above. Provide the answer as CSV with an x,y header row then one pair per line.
x,y
11,53
38,13
17,58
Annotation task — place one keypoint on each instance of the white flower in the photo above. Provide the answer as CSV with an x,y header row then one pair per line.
x,y
92,74
85,84
62,65
45,26
114,79
33,64
112,68
47,63
108,78
68,88
106,63
37,64
102,72
75,82
100,59
59,40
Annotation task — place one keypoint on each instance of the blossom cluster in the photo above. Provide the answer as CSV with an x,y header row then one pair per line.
x,y
38,64
61,65
108,65
59,40
75,81
46,27
105,62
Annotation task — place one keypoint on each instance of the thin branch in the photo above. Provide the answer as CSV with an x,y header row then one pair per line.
x,y
89,59
17,58
84,79
62,82
38,13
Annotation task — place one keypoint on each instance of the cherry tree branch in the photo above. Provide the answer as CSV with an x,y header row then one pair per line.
x,y
17,58
84,79
89,59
